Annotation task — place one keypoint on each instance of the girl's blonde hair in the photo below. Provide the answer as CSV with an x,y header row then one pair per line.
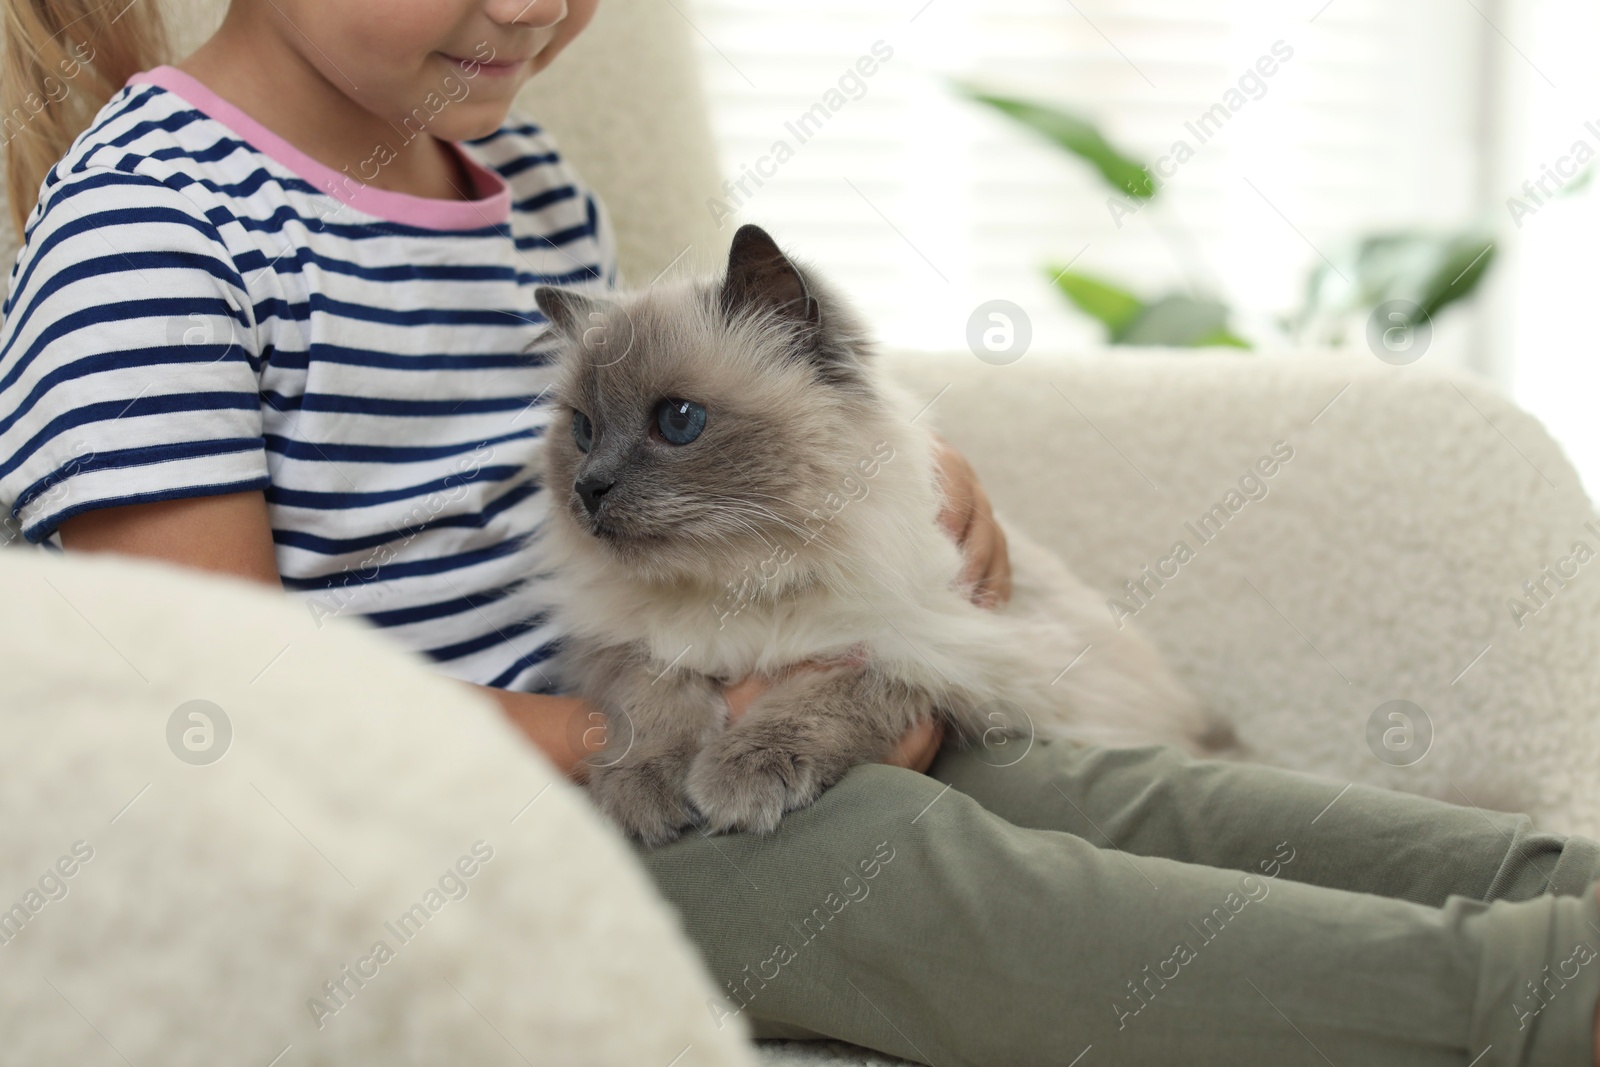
x,y
62,60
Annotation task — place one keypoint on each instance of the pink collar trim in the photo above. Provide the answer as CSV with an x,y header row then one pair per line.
x,y
492,207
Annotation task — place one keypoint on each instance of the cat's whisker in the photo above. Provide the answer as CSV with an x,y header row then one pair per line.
x,y
768,513
728,506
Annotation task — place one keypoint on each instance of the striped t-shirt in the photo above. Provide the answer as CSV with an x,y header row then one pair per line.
x,y
200,308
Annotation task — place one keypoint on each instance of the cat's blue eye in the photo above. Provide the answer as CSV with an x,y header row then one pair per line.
x,y
582,431
680,421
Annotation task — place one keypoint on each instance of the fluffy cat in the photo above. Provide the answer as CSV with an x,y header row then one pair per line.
x,y
736,487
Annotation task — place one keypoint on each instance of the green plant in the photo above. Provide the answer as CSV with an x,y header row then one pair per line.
x,y
1430,270
1433,270
1078,136
1172,319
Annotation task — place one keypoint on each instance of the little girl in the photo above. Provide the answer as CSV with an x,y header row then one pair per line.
x,y
271,318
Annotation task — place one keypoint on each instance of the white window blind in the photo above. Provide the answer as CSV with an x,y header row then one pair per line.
x,y
925,205
1549,115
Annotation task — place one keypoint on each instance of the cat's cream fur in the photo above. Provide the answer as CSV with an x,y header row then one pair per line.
x,y
809,531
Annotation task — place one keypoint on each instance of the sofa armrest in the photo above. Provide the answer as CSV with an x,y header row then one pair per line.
x,y
228,870
1387,559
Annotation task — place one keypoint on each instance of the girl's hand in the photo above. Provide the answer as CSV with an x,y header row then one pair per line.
x,y
918,747
915,751
968,518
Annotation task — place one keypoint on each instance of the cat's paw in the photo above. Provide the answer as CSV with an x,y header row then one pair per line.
x,y
644,795
748,778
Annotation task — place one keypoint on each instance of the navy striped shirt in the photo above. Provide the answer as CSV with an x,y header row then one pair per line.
x,y
199,308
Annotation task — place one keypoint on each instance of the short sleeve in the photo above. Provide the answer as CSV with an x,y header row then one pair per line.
x,y
129,361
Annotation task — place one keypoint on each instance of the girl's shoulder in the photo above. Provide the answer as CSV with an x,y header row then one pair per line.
x,y
167,127
146,138
166,144
139,120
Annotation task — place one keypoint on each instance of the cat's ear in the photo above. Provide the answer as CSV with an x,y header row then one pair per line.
x,y
569,311
760,277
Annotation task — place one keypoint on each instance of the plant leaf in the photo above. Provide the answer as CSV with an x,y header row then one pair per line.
x,y
1464,262
1179,321
1222,339
1077,135
1390,265
1114,307
1433,270
1578,184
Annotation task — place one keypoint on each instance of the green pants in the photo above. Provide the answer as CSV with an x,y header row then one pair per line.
x,y
1135,907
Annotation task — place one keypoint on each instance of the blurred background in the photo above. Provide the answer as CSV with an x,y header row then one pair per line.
x,y
1436,150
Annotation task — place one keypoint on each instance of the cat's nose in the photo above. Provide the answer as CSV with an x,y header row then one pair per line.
x,y
591,489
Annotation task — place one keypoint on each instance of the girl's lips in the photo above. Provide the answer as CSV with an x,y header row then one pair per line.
x,y
498,68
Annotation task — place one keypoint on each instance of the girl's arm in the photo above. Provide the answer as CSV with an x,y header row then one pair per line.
x,y
231,534
227,534
563,728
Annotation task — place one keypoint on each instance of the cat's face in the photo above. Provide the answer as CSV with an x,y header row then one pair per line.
x,y
700,426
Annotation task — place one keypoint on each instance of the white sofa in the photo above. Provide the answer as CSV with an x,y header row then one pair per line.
x,y
1378,566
